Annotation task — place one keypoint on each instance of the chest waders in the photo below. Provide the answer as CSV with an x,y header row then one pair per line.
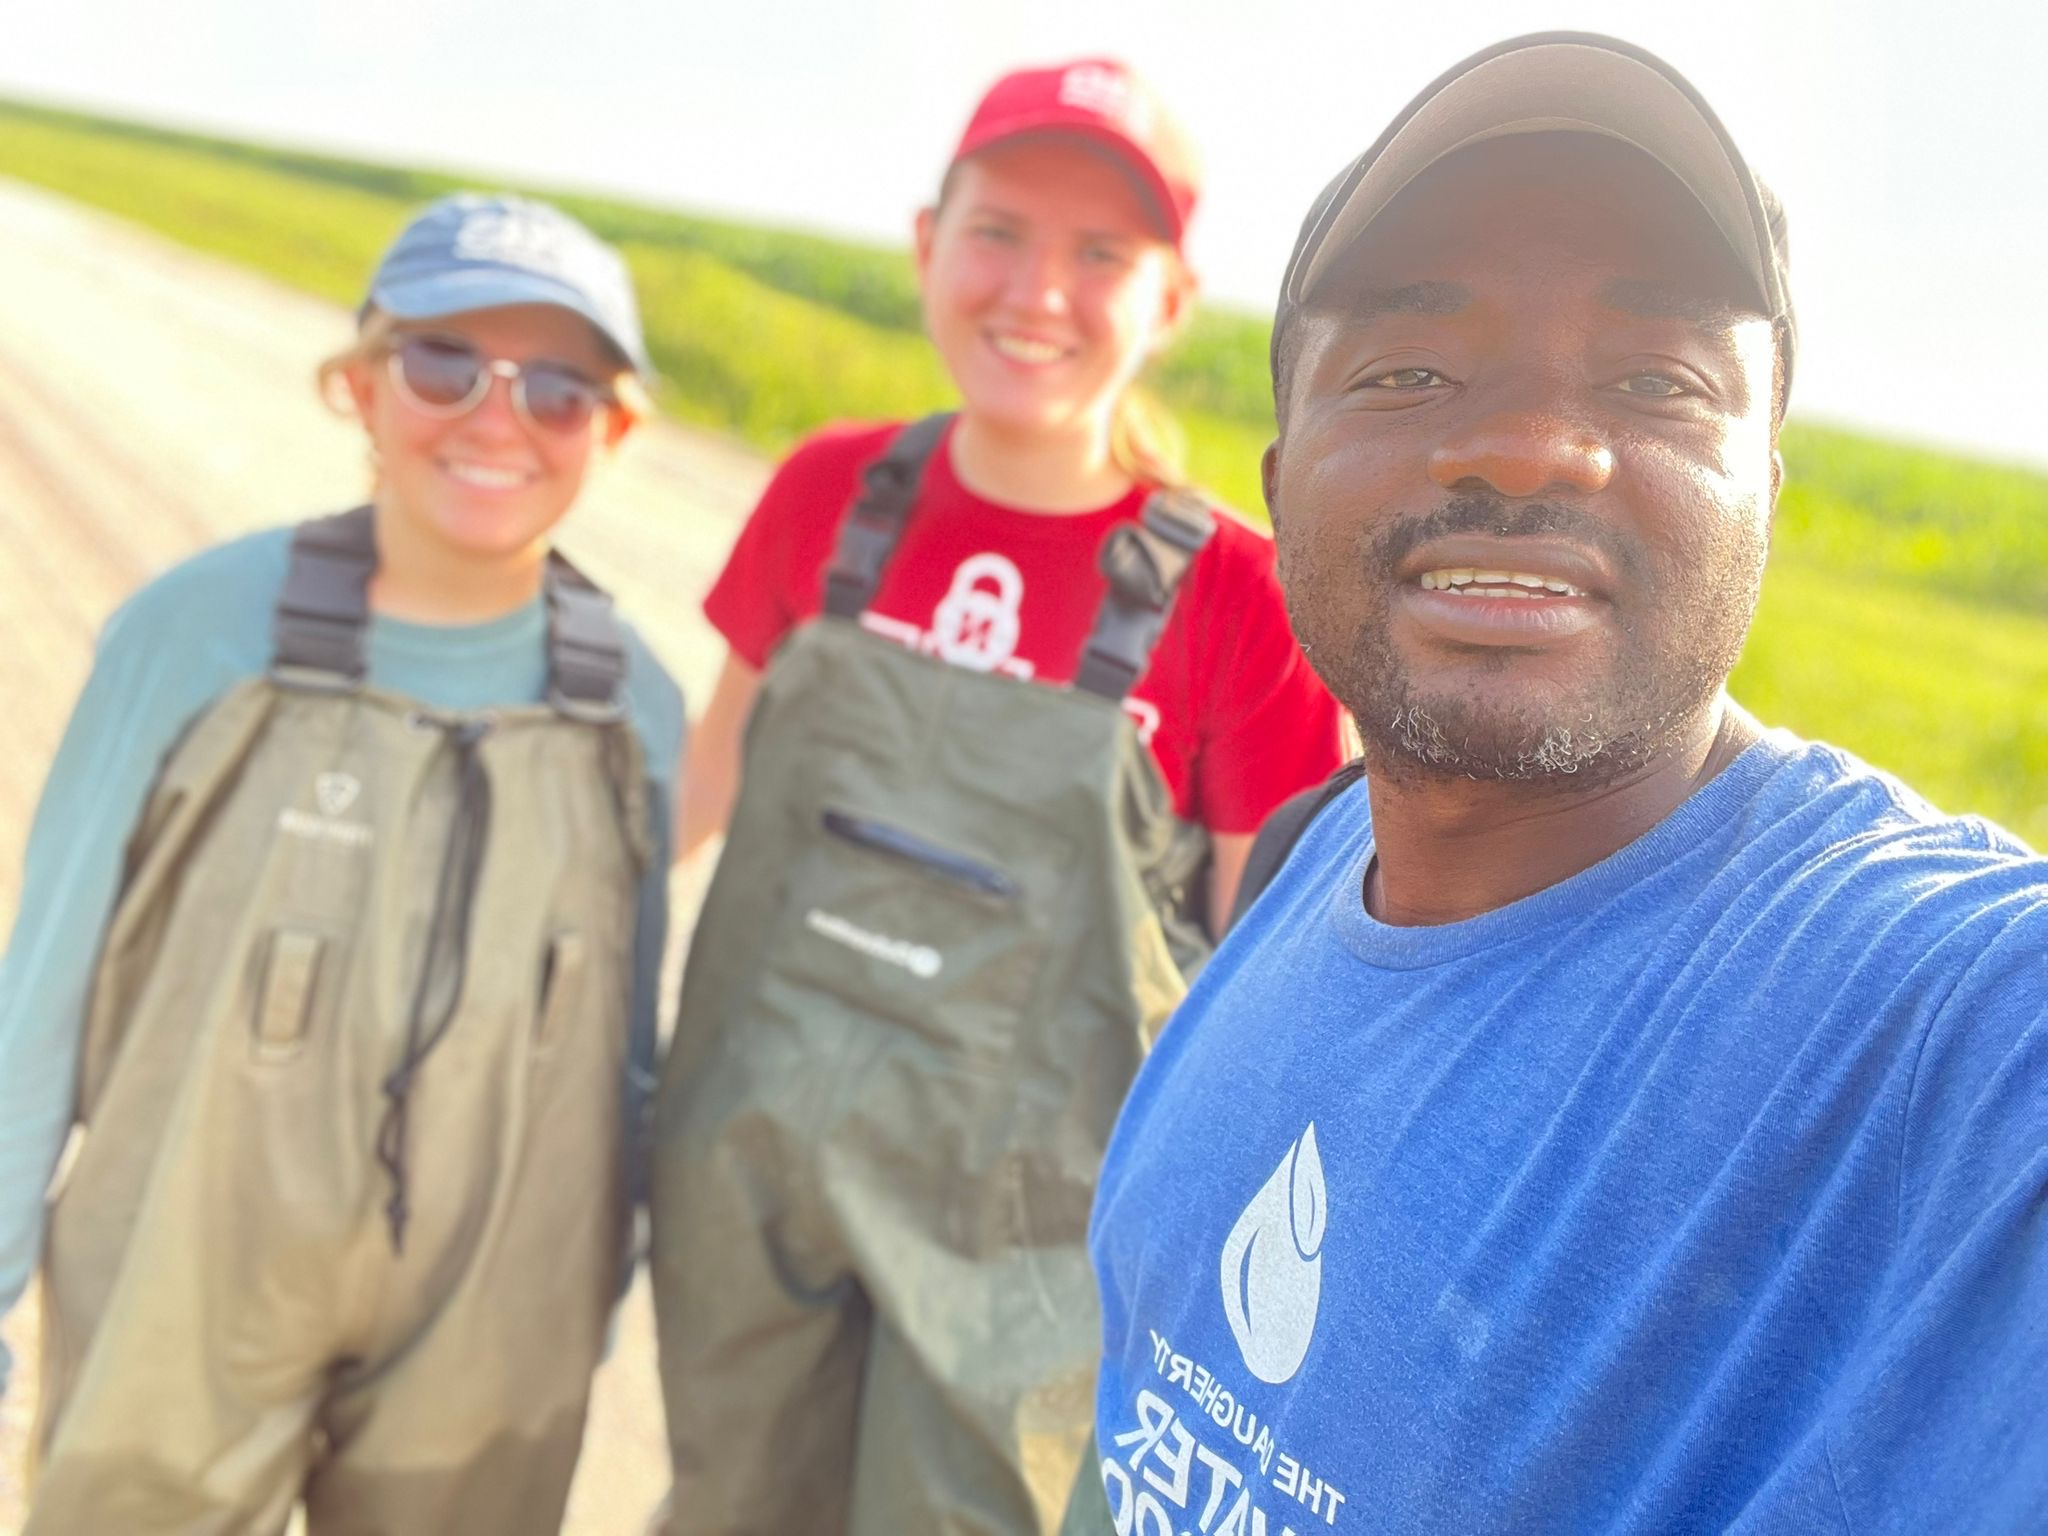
x,y
953,912
346,1219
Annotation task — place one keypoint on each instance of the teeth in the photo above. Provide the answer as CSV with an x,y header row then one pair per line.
x,y
1476,583
487,476
1024,349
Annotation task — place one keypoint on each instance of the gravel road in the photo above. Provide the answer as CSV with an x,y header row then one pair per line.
x,y
153,401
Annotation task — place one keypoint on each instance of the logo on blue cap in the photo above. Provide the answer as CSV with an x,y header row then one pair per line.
x,y
473,251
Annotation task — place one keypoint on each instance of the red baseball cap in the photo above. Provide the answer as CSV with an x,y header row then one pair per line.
x,y
1102,100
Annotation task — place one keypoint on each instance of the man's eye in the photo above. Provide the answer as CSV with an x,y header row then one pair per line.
x,y
1105,256
1658,386
1406,378
997,234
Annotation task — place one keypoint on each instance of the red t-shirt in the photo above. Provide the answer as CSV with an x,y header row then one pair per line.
x,y
1229,706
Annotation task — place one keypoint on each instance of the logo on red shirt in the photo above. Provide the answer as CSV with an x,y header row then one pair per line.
x,y
976,624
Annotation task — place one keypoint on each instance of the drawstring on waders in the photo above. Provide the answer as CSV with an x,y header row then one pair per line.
x,y
321,633
447,935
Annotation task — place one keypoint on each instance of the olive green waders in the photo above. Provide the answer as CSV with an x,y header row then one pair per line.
x,y
950,918
345,1222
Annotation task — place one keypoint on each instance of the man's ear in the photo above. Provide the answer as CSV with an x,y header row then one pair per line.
x,y
617,425
1269,480
921,239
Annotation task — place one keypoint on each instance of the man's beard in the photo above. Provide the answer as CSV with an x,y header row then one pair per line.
x,y
1657,686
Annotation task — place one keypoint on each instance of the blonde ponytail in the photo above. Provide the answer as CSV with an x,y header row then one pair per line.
x,y
1146,443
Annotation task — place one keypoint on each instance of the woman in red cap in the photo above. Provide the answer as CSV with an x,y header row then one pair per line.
x,y
1014,705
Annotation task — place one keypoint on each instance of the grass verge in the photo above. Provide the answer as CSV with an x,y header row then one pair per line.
x,y
1905,617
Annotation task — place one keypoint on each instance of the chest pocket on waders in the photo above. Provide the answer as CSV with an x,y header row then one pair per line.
x,y
939,859
899,925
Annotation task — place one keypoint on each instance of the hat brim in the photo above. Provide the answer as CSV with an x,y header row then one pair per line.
x,y
1122,146
1553,82
460,292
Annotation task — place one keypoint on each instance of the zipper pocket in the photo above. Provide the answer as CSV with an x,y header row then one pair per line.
x,y
894,842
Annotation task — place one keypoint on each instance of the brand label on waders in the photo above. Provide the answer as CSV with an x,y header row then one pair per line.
x,y
333,793
921,960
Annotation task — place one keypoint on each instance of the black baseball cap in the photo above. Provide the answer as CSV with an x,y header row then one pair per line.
x,y
1550,82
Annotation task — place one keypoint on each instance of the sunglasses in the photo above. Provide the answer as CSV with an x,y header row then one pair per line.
x,y
447,377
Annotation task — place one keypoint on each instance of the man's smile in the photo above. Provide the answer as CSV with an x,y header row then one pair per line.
x,y
1480,589
1469,583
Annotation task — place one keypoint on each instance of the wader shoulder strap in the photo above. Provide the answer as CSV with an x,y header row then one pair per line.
x,y
586,646
1144,562
320,635
873,524
320,632
1282,830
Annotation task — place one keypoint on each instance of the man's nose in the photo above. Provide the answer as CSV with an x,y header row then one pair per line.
x,y
1523,452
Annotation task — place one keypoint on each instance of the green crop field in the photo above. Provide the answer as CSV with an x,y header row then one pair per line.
x,y
1905,616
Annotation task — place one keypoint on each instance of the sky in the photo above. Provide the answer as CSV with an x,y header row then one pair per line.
x,y
1909,141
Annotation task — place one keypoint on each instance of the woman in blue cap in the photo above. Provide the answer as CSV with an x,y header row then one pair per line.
x,y
338,931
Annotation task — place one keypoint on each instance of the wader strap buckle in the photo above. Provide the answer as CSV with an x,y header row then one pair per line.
x,y
874,523
322,626
586,647
319,635
1143,563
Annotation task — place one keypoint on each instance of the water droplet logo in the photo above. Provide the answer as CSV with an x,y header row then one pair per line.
x,y
1273,1265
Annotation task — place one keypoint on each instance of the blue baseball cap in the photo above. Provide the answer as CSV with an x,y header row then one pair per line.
x,y
477,251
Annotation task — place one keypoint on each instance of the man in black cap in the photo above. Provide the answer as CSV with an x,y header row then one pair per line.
x,y
1615,1116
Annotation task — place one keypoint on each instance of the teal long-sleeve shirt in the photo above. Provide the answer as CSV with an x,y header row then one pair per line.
x,y
162,659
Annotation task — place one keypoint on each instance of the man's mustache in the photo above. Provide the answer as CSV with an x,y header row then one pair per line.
x,y
1504,518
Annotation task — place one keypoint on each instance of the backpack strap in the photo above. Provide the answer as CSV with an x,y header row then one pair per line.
x,y
1144,562
874,523
1282,830
319,635
586,646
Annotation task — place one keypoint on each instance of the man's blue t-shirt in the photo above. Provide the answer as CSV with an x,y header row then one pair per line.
x,y
1704,1191
170,651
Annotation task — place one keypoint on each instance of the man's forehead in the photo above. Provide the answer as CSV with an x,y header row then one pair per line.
x,y
1654,300
1516,202
1645,298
